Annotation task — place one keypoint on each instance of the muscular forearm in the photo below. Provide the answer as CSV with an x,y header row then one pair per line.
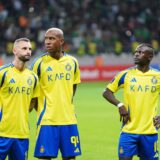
x,y
108,95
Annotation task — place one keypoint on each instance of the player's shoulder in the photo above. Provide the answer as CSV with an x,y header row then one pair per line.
x,y
155,71
122,74
131,69
38,60
5,67
69,56
128,70
41,57
31,72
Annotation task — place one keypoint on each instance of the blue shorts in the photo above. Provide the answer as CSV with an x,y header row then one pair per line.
x,y
53,138
144,146
16,149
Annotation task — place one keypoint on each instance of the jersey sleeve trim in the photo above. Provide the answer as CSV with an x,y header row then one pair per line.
x,y
3,78
1,113
75,66
36,59
39,69
5,66
35,82
121,80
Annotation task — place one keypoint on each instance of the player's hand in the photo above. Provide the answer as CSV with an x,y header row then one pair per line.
x,y
156,122
124,115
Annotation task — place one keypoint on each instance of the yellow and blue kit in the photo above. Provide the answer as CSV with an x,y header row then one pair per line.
x,y
17,88
56,112
141,96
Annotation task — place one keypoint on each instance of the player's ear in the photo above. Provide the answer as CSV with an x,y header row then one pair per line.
x,y
14,50
62,41
150,56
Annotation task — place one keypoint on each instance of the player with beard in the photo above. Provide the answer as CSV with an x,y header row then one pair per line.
x,y
19,89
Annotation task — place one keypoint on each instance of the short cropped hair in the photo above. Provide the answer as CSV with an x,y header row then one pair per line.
x,y
149,46
21,39
58,32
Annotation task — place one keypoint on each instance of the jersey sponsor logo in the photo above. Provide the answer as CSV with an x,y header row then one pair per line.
x,y
154,80
50,78
19,90
133,80
59,76
140,88
48,69
12,81
68,67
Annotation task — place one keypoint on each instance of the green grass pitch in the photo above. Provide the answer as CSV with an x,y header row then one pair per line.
x,y
98,123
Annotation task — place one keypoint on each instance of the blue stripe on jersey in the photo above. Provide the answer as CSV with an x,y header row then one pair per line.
x,y
75,66
3,78
35,81
121,81
42,113
5,66
31,67
39,69
1,113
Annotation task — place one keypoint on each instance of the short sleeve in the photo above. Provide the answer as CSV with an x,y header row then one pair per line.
x,y
36,66
36,89
76,73
117,82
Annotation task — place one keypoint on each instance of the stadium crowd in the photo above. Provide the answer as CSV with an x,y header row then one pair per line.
x,y
90,26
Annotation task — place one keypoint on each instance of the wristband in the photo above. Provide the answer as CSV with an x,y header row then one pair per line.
x,y
120,104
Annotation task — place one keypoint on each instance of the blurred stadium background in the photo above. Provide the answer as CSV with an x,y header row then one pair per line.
x,y
102,35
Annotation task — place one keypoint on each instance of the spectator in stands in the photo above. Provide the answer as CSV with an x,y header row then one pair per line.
x,y
108,22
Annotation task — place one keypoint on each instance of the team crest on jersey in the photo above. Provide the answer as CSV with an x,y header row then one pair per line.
x,y
154,80
68,67
29,81
42,149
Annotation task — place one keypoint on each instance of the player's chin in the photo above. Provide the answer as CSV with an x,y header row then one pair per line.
x,y
25,59
136,62
50,50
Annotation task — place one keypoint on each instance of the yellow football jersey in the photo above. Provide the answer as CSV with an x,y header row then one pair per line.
x,y
16,91
57,77
141,97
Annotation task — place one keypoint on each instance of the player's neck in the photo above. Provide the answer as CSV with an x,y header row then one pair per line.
x,y
144,68
19,65
57,55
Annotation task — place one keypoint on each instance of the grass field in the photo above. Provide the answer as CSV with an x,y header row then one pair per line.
x,y
98,123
